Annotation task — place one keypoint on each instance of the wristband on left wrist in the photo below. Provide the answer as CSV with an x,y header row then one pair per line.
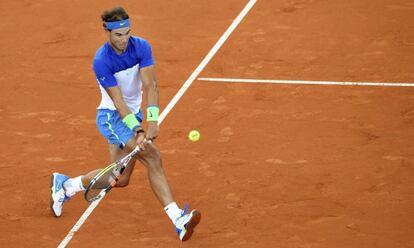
x,y
152,113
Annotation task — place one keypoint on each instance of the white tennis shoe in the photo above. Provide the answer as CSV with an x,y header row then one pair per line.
x,y
58,196
185,224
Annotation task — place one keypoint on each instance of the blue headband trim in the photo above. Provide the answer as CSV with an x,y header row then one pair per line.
x,y
117,24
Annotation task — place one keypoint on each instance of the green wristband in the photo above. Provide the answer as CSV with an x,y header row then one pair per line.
x,y
152,113
131,121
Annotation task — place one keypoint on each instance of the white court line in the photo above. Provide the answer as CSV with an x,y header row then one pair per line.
x,y
170,105
239,80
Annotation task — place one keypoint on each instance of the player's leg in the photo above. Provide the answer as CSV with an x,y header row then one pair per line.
x,y
114,130
151,158
62,189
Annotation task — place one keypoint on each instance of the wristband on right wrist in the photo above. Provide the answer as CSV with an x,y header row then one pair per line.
x,y
131,121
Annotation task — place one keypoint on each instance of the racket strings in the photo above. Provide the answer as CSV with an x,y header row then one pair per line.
x,y
106,179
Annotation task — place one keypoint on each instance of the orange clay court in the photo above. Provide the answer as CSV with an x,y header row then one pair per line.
x,y
277,165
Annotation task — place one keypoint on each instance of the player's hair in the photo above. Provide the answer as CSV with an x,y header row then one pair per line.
x,y
113,15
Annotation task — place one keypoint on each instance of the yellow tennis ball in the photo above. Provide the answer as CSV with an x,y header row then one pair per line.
x,y
194,135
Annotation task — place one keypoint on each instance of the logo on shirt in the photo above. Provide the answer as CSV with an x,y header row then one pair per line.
x,y
102,78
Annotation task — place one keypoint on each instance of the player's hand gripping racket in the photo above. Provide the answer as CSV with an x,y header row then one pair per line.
x,y
107,178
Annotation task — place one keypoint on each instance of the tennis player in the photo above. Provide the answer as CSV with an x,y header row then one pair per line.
x,y
124,67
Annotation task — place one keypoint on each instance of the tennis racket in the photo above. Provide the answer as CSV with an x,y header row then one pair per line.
x,y
107,178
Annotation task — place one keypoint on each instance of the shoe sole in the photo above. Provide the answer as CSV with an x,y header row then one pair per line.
x,y
195,219
51,198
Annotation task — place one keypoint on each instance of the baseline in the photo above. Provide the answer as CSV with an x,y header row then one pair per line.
x,y
265,81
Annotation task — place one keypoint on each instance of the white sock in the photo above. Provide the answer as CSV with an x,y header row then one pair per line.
x,y
173,211
73,186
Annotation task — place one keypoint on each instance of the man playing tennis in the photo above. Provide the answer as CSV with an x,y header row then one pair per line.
x,y
124,66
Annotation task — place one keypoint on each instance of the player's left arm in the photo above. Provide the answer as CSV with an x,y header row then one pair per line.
x,y
149,83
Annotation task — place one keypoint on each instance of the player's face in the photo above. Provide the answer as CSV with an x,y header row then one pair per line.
x,y
118,38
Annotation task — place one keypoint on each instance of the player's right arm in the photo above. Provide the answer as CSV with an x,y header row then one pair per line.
x,y
116,95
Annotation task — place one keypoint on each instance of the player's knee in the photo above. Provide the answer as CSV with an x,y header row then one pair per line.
x,y
154,163
156,157
152,159
153,154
